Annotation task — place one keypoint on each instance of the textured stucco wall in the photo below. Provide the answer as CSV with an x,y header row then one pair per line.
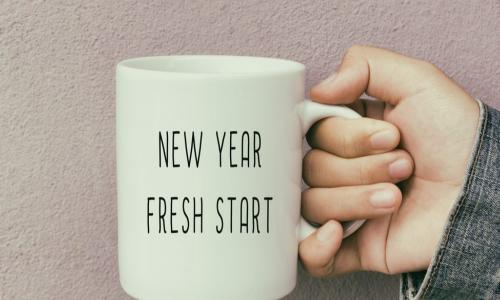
x,y
57,58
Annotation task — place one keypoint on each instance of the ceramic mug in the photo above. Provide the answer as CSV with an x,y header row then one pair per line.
x,y
209,156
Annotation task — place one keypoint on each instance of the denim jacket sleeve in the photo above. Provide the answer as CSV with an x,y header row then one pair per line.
x,y
466,264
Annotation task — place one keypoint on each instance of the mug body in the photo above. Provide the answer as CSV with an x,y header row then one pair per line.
x,y
209,153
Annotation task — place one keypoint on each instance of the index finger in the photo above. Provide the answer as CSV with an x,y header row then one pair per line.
x,y
380,73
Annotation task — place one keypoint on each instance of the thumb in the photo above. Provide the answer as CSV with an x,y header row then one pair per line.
x,y
380,73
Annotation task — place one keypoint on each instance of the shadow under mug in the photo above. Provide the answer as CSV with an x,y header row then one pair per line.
x,y
209,156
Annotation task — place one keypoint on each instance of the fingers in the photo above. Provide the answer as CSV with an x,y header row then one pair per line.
x,y
350,203
380,73
353,137
322,255
322,169
317,250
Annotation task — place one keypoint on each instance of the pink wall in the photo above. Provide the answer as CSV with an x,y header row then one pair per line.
x,y
57,58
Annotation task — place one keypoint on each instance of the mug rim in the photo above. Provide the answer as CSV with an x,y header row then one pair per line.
x,y
259,65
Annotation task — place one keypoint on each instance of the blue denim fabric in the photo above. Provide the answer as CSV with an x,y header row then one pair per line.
x,y
466,264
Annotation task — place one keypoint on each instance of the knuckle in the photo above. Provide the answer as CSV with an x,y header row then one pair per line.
x,y
347,146
364,173
327,270
348,137
378,125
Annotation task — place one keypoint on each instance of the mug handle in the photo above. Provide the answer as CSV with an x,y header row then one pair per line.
x,y
309,113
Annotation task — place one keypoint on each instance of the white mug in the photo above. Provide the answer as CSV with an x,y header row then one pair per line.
x,y
209,156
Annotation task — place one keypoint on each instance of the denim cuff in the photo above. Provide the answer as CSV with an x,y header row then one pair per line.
x,y
466,264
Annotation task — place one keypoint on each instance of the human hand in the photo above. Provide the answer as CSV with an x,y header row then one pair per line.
x,y
352,171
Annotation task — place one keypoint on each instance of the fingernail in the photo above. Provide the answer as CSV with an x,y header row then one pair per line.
x,y
382,199
328,80
401,168
382,140
325,232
